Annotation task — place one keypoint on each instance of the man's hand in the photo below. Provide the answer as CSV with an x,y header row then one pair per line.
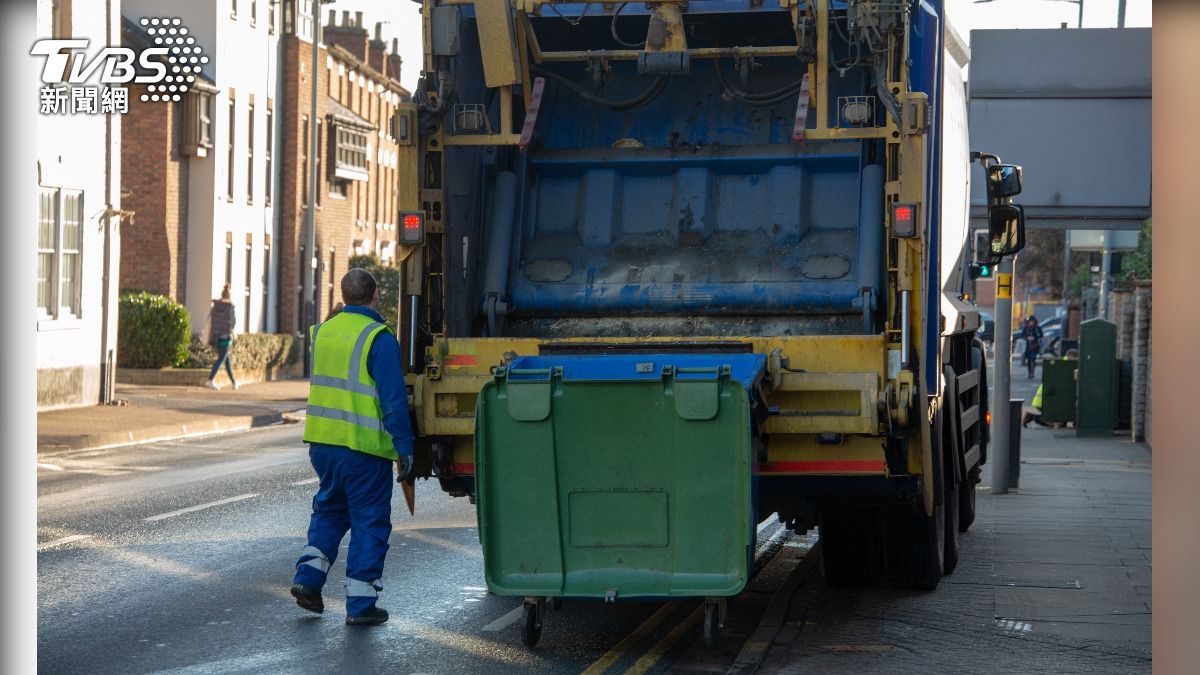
x,y
404,465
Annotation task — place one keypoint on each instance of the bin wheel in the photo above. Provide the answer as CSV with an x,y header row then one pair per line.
x,y
556,603
712,624
531,625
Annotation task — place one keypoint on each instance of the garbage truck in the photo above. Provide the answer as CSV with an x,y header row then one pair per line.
x,y
671,268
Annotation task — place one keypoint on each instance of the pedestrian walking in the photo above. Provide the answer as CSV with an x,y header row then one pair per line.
x,y
221,321
357,426
1031,333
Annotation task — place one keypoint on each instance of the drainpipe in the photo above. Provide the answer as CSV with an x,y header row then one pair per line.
x,y
107,350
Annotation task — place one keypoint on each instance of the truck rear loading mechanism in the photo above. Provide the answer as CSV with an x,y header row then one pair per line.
x,y
673,267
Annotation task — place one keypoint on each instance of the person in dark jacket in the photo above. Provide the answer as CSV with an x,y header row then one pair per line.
x,y
222,320
357,426
1031,333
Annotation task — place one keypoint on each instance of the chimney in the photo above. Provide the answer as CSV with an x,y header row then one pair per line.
x,y
377,51
358,20
395,45
332,18
345,17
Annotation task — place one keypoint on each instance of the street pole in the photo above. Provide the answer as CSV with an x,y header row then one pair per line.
x,y
1081,13
310,220
1121,14
1001,389
1066,285
1105,279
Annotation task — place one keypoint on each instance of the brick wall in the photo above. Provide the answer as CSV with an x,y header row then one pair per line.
x,y
154,179
340,221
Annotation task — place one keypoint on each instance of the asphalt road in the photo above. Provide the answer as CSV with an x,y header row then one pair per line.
x,y
177,557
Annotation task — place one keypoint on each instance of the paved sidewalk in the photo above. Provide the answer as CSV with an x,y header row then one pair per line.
x,y
153,413
1053,577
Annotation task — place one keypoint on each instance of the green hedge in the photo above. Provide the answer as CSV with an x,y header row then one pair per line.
x,y
152,331
250,350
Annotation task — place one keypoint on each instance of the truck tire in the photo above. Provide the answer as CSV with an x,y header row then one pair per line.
x,y
850,556
950,483
915,543
966,500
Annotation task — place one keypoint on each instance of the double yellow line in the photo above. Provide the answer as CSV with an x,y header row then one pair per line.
x,y
655,654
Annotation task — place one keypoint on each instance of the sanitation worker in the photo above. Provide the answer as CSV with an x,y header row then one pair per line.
x,y
357,426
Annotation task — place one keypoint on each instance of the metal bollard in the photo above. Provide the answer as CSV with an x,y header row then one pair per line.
x,y
1014,442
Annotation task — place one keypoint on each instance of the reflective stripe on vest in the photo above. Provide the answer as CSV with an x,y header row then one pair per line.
x,y
363,589
343,401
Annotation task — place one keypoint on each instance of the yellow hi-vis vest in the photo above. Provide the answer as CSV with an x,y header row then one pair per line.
x,y
343,406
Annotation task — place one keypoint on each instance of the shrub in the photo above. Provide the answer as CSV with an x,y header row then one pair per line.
x,y
250,350
152,331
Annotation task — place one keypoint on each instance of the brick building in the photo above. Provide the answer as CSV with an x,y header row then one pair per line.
x,y
202,179
356,158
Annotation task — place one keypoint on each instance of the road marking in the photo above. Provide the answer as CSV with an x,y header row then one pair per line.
x,y
652,657
64,540
49,467
199,507
630,640
505,621
307,481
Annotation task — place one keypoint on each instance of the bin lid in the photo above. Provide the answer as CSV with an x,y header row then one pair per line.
x,y
745,369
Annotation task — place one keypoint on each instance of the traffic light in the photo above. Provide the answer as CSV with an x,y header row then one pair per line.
x,y
981,270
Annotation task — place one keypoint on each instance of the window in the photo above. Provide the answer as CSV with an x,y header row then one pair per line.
x,y
300,305
350,153
271,15
197,123
60,243
304,160
249,266
266,280
320,180
229,258
229,153
250,154
253,12
289,17
316,287
233,9
332,277
270,134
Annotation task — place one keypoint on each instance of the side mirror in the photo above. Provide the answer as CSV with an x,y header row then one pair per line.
x,y
1003,180
1006,229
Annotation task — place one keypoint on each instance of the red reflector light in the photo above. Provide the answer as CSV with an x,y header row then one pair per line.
x,y
904,214
412,228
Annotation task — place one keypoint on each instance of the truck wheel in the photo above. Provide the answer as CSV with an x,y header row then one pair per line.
x,y
849,550
950,505
916,546
915,543
966,500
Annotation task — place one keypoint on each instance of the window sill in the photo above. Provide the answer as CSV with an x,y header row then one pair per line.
x,y
71,323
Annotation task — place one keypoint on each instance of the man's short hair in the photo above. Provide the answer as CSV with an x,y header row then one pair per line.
x,y
358,287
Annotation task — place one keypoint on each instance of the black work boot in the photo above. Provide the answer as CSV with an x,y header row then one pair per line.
x,y
308,597
373,617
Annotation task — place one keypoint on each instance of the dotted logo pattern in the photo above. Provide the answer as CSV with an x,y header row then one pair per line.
x,y
185,57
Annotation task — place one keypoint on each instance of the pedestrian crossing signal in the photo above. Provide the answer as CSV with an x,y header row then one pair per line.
x,y
981,270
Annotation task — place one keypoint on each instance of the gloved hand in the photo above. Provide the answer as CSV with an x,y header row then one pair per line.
x,y
404,465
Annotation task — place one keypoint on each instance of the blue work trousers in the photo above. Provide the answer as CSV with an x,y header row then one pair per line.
x,y
355,494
